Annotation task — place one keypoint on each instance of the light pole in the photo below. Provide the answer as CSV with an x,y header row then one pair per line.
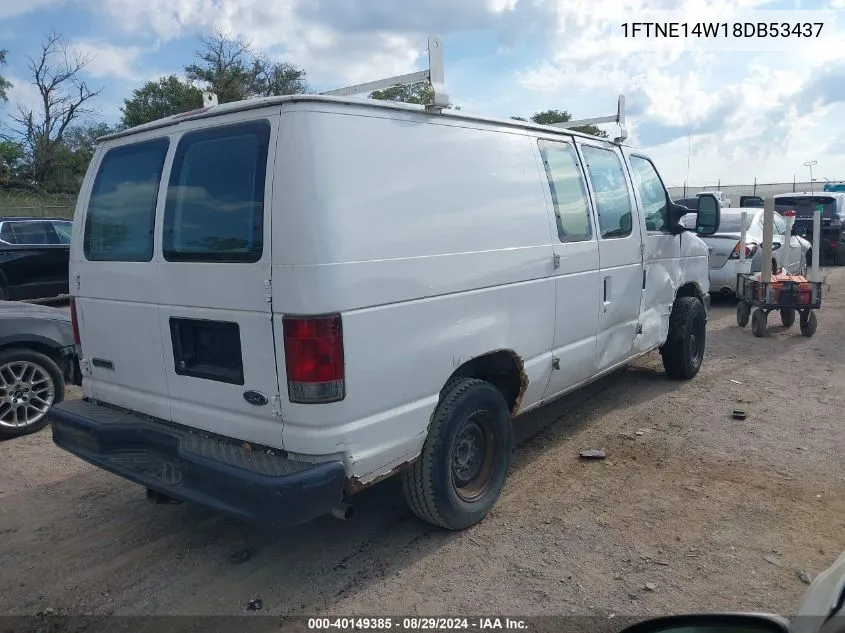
x,y
817,226
810,164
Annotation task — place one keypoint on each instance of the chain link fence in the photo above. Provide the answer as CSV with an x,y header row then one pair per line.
x,y
753,189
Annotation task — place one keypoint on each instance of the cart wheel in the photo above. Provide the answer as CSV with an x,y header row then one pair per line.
x,y
743,312
758,323
787,317
809,323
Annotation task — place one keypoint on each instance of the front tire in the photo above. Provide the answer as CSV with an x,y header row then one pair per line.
x,y
683,351
787,317
759,322
808,323
743,313
30,383
465,459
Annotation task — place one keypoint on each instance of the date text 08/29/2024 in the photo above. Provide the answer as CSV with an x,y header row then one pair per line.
x,y
722,29
416,623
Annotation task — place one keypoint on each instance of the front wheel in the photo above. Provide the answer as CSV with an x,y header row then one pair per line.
x,y
465,459
683,351
787,317
759,322
30,383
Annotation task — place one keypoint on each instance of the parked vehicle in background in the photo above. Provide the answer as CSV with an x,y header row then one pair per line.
x,y
834,187
724,247
37,359
34,256
724,201
752,202
832,207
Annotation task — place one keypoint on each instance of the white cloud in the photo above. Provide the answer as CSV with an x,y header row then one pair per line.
x,y
109,60
11,8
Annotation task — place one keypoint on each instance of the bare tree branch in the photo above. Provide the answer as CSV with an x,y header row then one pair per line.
x,y
64,98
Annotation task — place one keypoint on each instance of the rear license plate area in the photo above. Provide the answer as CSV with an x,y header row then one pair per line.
x,y
209,350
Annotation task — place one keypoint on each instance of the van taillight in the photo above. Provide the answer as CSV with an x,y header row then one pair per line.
x,y
314,359
74,323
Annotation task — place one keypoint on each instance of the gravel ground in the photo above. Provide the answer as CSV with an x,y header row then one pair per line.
x,y
691,510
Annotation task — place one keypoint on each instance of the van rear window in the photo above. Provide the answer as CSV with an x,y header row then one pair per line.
x,y
121,211
215,200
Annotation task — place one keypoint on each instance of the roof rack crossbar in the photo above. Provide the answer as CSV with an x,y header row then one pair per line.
x,y
619,118
433,74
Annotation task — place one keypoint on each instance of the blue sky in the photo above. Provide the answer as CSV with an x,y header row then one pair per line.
x,y
745,108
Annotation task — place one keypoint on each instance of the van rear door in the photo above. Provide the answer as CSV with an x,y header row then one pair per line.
x,y
202,302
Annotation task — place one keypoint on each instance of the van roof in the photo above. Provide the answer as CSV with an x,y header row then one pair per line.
x,y
251,104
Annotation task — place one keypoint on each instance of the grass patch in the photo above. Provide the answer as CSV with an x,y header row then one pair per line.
x,y
27,203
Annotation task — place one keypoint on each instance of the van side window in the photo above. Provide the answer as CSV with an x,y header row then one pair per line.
x,y
652,193
613,200
569,193
215,200
121,211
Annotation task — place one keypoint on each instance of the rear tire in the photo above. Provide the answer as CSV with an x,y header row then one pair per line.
x,y
683,351
787,317
29,380
809,323
743,313
759,323
465,459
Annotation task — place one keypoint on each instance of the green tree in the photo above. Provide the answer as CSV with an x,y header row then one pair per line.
x,y
229,68
420,93
548,117
159,99
12,161
4,83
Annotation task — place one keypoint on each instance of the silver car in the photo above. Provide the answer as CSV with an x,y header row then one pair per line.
x,y
724,247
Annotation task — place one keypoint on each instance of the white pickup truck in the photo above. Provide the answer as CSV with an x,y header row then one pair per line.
x,y
280,302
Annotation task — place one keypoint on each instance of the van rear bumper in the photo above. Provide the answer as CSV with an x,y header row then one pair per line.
x,y
252,484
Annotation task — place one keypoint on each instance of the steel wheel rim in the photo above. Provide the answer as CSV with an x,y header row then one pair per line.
x,y
696,341
473,456
26,394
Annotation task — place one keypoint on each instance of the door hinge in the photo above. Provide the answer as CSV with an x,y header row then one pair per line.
x,y
277,405
639,328
268,290
85,366
642,248
555,362
556,260
76,279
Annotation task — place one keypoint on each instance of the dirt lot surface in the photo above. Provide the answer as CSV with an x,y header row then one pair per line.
x,y
691,510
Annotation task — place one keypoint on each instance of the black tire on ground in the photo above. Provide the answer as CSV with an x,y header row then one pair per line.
x,y
465,459
809,323
743,313
48,366
759,323
683,350
787,317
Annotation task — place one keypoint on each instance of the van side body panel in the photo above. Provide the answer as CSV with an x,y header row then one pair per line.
x,y
433,255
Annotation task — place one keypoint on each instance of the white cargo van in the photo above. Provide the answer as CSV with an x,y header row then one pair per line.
x,y
280,302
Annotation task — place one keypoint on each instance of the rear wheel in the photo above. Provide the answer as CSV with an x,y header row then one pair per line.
x,y
787,317
808,323
465,459
30,383
683,351
743,313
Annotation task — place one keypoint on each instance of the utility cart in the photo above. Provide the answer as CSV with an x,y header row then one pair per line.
x,y
787,294
767,290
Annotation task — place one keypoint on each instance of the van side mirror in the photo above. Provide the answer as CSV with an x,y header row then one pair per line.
x,y
709,215
712,623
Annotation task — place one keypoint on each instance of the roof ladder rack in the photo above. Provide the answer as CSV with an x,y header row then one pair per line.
x,y
619,118
434,75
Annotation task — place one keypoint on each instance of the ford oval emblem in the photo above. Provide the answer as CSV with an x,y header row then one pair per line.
x,y
256,398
